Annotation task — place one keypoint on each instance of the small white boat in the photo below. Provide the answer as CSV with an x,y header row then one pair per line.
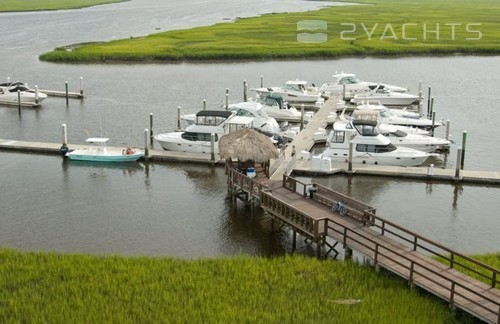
x,y
29,97
353,86
295,91
385,97
369,146
99,152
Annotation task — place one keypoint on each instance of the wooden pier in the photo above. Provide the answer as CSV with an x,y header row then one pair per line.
x,y
307,210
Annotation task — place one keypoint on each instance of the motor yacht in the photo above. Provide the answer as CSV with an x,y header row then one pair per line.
x,y
395,116
197,137
369,146
385,97
277,108
29,97
419,142
353,86
295,91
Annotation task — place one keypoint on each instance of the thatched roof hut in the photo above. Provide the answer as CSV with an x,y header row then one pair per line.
x,y
247,144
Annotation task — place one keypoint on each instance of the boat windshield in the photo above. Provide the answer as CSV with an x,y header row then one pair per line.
x,y
370,148
385,113
349,80
367,130
244,113
198,137
397,133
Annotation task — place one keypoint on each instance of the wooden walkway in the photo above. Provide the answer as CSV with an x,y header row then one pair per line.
x,y
386,244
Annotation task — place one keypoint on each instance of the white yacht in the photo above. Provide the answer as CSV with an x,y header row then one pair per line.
x,y
385,97
261,121
353,86
276,107
396,116
197,136
369,146
419,142
9,94
295,91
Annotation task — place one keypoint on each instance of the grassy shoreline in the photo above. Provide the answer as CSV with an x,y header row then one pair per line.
x,y
42,5
49,287
385,28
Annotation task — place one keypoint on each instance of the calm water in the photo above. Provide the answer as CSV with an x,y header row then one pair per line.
x,y
184,211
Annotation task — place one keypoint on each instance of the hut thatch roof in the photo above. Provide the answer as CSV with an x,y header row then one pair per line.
x,y
247,144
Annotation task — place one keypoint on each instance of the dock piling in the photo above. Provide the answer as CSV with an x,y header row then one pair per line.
x,y
64,147
212,148
245,89
447,134
301,116
19,102
433,122
343,92
462,158
227,102
178,117
67,94
428,101
351,150
204,104
457,168
146,143
151,127
37,95
81,86
262,81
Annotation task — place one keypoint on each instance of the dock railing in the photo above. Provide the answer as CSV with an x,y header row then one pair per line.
x,y
454,259
247,184
416,270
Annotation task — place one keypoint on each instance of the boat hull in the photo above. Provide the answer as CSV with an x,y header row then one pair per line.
x,y
99,156
174,142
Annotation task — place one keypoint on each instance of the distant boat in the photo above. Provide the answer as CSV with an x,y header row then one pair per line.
x,y
385,97
31,97
99,152
295,91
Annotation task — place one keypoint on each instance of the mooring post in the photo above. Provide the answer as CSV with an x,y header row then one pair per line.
x,y
432,108
67,97
227,102
428,101
462,158
37,95
151,127
64,147
19,102
178,117
420,96
245,90
146,143
351,150
433,122
457,168
204,104
81,86
447,136
294,240
212,148
301,116
262,81
343,92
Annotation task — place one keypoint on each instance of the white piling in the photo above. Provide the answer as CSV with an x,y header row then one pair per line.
x,y
19,102
262,81
351,150
212,148
67,97
447,136
37,95
301,117
457,168
146,143
464,141
64,135
227,101
245,89
430,170
81,86
151,127
204,104
343,92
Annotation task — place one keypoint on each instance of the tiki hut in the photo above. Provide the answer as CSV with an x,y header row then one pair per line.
x,y
250,148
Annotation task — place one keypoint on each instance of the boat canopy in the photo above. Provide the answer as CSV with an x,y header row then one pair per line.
x,y
213,113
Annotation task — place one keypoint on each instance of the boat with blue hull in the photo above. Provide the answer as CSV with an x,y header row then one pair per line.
x,y
99,152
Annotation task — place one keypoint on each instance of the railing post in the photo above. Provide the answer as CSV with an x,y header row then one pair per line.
x,y
452,294
412,266
415,243
383,227
345,236
452,260
375,258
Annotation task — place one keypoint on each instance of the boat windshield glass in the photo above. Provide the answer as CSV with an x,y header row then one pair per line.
x,y
198,137
209,120
398,133
349,80
244,113
370,148
367,130
385,113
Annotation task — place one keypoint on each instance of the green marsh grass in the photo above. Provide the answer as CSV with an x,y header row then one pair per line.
x,y
373,28
35,5
492,259
61,288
